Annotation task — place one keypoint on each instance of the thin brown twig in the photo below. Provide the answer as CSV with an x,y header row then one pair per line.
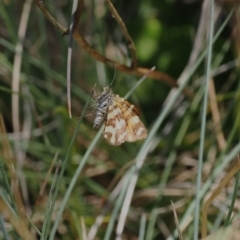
x,y
46,179
139,71
120,67
177,222
216,116
41,6
78,13
129,40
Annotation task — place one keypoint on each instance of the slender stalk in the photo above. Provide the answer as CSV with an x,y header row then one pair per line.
x,y
203,124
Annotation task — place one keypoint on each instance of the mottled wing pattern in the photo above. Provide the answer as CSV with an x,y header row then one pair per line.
x,y
135,128
122,123
115,126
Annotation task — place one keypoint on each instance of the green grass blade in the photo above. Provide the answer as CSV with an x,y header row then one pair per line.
x,y
62,171
224,161
227,221
6,185
170,160
76,175
5,199
142,226
203,124
50,206
117,206
4,231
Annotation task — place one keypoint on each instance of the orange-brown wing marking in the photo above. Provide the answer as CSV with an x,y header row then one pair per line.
x,y
115,126
135,128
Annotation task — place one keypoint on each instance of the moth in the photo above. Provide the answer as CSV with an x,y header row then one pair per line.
x,y
120,118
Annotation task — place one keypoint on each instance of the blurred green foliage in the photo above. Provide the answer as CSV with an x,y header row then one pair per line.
x,y
163,33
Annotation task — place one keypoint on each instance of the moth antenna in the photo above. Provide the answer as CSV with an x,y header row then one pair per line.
x,y
113,77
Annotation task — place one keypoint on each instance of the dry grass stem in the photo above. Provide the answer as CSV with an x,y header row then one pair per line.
x,y
216,115
214,194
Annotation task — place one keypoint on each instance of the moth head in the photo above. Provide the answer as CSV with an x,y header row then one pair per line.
x,y
106,89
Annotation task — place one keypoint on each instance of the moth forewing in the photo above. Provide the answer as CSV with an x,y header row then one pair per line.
x,y
121,119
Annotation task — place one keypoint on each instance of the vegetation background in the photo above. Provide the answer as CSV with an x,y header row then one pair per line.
x,y
61,180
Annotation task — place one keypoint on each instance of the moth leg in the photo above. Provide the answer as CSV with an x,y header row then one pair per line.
x,y
93,93
87,115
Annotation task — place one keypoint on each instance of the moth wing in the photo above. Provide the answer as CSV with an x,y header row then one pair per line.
x,y
135,129
115,129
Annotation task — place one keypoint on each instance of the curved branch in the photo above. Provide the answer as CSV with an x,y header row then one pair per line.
x,y
139,71
129,40
41,6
